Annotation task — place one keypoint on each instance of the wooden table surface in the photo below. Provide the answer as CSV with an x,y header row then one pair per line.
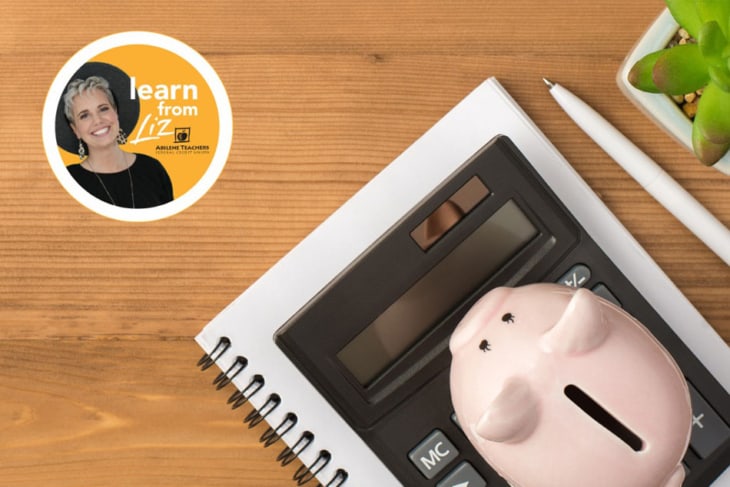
x,y
98,383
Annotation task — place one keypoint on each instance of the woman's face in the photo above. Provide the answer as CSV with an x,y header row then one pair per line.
x,y
95,120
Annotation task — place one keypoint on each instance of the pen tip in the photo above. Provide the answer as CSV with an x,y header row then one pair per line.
x,y
549,83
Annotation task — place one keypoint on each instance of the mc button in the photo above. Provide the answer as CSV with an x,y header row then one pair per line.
x,y
433,454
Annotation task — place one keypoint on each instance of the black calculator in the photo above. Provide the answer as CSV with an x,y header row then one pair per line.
x,y
361,354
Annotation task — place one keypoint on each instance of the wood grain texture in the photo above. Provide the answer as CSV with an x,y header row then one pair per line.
x,y
122,413
97,377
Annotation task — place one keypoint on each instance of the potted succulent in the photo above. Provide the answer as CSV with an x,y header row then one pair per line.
x,y
696,67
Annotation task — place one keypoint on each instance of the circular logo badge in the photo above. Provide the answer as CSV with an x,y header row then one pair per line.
x,y
137,126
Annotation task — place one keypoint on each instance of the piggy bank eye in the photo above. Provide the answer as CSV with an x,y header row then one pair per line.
x,y
508,318
484,346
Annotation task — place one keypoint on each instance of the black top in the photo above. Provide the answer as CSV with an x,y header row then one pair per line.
x,y
149,180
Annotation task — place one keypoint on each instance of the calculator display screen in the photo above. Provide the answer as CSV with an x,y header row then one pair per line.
x,y
421,308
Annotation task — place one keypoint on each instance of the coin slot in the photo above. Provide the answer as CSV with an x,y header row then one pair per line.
x,y
603,417
449,213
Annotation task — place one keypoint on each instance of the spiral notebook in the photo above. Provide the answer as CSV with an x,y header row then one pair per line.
x,y
356,411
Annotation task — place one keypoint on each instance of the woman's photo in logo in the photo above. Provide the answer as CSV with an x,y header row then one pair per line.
x,y
93,118
118,126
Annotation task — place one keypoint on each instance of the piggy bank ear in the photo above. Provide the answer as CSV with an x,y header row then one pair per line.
x,y
477,318
676,478
512,415
581,328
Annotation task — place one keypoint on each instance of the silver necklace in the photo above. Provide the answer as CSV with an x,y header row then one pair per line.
x,y
131,184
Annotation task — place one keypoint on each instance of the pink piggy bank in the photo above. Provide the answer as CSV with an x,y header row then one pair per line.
x,y
556,387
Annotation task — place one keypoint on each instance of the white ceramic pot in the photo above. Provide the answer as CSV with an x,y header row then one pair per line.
x,y
661,108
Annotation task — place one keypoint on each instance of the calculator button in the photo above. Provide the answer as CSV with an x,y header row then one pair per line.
x,y
709,431
463,476
603,291
577,276
433,454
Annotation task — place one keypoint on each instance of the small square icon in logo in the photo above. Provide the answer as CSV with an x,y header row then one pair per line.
x,y
182,135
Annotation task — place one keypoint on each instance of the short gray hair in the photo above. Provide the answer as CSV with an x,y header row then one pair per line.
x,y
79,86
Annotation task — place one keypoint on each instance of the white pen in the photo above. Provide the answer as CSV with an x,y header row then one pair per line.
x,y
646,172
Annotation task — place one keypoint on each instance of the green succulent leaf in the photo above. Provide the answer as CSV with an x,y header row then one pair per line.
x,y
707,152
720,76
713,115
714,10
712,42
640,75
685,13
680,70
